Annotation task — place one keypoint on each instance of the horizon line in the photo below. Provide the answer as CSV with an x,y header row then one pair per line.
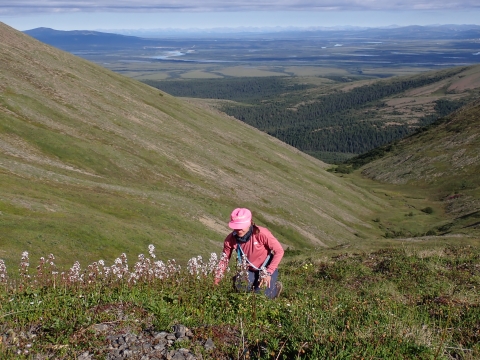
x,y
243,28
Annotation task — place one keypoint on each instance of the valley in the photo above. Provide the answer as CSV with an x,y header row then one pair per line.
x,y
358,54
128,165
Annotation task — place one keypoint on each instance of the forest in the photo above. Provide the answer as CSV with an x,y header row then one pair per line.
x,y
322,124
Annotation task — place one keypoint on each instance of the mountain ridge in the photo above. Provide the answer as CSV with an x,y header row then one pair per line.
x,y
429,31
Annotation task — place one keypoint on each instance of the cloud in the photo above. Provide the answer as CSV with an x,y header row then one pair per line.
x,y
11,7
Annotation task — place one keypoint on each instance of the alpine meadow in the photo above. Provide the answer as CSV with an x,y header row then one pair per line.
x,y
382,251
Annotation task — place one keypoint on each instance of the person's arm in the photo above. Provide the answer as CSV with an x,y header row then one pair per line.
x,y
276,248
223,263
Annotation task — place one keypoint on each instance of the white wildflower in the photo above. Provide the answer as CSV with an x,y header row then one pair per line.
x,y
160,270
24,264
151,251
74,273
3,272
193,266
212,263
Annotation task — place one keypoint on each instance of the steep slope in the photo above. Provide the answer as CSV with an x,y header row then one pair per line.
x,y
445,160
93,164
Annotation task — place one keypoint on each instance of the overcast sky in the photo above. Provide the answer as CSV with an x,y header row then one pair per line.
x,y
184,14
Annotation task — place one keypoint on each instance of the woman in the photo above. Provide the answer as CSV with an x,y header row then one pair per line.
x,y
258,247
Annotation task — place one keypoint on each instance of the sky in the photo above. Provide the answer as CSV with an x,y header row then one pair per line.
x,y
209,14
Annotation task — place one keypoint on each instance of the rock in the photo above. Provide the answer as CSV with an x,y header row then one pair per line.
x,y
146,346
100,327
160,335
183,338
159,354
85,356
178,356
130,338
179,330
209,345
160,346
127,353
170,354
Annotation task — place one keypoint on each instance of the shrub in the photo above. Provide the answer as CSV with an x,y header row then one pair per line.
x,y
343,169
428,210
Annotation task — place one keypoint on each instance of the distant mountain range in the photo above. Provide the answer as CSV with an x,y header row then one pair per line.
x,y
430,30
81,39
119,37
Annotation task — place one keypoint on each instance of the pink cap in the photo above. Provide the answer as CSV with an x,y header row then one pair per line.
x,y
240,218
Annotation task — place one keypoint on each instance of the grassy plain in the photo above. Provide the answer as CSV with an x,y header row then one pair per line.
x,y
349,53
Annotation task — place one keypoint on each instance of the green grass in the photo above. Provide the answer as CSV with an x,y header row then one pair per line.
x,y
408,303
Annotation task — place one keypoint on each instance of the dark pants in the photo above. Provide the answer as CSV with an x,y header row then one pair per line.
x,y
254,282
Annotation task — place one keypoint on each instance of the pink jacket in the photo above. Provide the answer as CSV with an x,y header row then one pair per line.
x,y
256,250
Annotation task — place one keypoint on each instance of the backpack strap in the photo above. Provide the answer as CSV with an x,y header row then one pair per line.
x,y
240,254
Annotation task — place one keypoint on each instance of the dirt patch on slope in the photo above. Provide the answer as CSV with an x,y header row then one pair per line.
x,y
308,235
465,83
214,224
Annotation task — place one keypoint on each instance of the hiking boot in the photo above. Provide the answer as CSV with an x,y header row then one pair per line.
x,y
278,288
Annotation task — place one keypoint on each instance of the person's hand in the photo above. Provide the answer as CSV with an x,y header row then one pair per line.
x,y
216,281
265,282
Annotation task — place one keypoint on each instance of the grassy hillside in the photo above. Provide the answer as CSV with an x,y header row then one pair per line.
x,y
443,161
93,164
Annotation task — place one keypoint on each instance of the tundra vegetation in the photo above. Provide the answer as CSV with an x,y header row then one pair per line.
x,y
408,303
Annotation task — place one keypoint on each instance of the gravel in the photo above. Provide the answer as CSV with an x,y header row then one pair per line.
x,y
179,344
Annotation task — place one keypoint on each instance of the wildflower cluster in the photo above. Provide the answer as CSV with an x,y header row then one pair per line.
x,y
3,272
24,265
221,267
196,266
263,273
151,251
74,274
146,269
307,267
242,269
119,269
